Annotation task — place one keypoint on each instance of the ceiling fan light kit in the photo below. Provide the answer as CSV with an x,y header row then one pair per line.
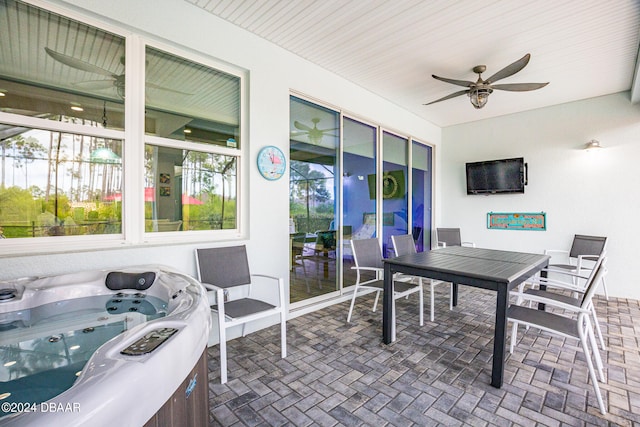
x,y
592,145
479,97
480,90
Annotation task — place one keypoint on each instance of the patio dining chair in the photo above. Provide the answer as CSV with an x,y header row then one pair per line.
x,y
581,257
567,321
451,237
225,268
367,256
404,244
566,287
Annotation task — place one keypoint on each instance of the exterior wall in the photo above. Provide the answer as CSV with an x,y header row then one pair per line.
x,y
273,74
581,192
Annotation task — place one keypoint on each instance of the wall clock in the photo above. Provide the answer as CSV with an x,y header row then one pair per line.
x,y
271,162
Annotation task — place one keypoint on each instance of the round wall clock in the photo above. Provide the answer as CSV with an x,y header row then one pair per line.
x,y
271,162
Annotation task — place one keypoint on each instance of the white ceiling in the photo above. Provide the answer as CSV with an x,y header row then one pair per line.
x,y
584,48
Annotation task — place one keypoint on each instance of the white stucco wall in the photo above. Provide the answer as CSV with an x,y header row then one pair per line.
x,y
273,73
582,193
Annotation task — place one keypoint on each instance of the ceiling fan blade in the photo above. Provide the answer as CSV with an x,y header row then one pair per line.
x,y
464,83
509,70
327,130
453,95
301,126
154,86
519,87
95,84
77,63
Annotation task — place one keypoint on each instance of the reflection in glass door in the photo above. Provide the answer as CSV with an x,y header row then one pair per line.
x,y
348,180
421,195
313,202
395,202
358,190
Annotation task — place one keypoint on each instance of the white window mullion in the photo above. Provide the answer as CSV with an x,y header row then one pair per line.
x,y
133,202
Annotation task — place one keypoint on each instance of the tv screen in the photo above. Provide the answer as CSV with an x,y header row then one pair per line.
x,y
496,176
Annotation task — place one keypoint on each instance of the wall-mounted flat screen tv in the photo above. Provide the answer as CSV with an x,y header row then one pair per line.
x,y
497,176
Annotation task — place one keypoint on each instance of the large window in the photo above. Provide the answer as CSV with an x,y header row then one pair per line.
x,y
66,168
194,112
59,184
189,190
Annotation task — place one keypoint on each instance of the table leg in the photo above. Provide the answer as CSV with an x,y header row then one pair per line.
x,y
500,337
387,307
454,297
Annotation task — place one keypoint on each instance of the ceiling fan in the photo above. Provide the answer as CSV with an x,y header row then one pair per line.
x,y
480,90
315,135
111,79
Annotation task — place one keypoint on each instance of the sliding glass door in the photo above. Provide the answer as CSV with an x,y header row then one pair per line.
x,y
395,200
421,195
313,203
348,180
358,189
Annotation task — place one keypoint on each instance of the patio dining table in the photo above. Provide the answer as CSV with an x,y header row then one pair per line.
x,y
495,270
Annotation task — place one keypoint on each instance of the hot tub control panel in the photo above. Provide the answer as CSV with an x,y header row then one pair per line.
x,y
149,342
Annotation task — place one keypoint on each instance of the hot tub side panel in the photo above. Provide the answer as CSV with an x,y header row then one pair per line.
x,y
189,405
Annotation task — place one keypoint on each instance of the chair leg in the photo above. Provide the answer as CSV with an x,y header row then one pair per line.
x,y
283,334
353,300
597,327
596,352
514,334
375,302
592,373
222,334
604,288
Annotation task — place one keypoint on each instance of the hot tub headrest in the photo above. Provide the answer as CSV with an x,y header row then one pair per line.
x,y
117,280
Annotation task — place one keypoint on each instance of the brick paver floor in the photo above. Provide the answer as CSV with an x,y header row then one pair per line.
x,y
340,373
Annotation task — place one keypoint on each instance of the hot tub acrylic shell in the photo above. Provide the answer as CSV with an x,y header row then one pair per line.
x,y
113,388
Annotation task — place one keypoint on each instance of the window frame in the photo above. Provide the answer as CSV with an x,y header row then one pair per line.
x,y
133,138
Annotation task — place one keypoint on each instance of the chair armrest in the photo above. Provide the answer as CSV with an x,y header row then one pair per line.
x,y
211,287
556,251
586,257
376,269
442,244
553,303
280,281
266,276
220,293
563,272
558,284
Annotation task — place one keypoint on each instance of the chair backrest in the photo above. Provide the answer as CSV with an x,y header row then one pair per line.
x,y
599,270
326,239
169,225
367,253
450,236
403,244
587,245
297,242
224,267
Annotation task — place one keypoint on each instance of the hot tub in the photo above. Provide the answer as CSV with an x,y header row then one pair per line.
x,y
104,348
